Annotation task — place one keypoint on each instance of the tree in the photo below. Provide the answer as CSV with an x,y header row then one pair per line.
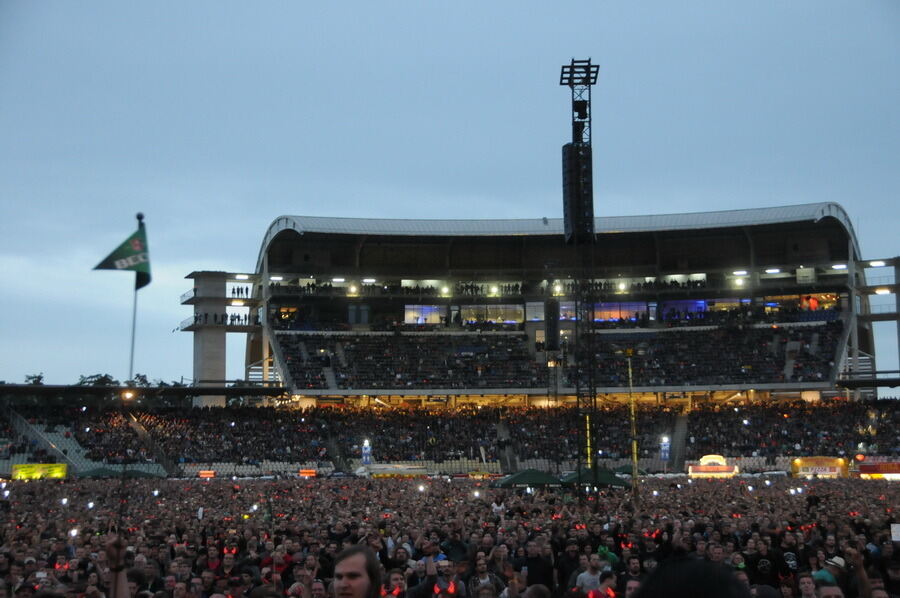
x,y
35,379
140,381
97,380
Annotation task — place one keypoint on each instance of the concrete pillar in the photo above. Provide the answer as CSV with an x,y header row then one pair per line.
x,y
209,336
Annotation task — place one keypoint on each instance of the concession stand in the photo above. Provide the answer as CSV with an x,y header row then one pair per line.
x,y
712,466
823,467
889,470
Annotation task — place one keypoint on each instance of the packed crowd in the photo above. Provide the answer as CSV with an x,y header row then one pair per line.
x,y
193,539
554,433
797,429
717,357
14,445
102,431
438,361
244,435
720,356
251,435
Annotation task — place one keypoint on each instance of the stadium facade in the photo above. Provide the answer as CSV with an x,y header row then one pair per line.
x,y
366,310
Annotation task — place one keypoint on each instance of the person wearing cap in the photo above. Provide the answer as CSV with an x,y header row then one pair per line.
x,y
828,574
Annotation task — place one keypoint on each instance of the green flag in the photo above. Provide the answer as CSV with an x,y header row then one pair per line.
x,y
131,255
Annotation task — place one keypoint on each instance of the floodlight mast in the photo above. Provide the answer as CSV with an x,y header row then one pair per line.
x,y
578,213
580,76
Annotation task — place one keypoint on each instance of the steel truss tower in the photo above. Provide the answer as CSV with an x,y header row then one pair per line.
x,y
578,211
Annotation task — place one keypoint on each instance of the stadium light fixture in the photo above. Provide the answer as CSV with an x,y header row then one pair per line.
x,y
241,277
276,278
740,273
368,280
352,289
882,291
128,394
237,303
839,267
876,263
773,270
739,282
337,280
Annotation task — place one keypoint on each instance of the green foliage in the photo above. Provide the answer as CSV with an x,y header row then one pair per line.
x,y
97,380
35,379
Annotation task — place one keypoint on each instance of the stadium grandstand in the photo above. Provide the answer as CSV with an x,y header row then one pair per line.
x,y
770,301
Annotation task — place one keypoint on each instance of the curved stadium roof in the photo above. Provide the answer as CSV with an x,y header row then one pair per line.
x,y
812,212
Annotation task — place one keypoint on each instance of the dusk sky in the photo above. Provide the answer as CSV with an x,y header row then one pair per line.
x,y
215,117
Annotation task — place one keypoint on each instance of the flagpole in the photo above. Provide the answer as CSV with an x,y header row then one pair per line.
x,y
133,326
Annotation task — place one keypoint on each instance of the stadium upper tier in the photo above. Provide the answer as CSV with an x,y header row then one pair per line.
x,y
761,355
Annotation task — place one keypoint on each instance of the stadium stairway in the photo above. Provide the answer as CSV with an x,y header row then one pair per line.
x,y
282,372
509,462
304,352
339,351
341,463
679,442
168,464
790,352
39,438
70,452
330,378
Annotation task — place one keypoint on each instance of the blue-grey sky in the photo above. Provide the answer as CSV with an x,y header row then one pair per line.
x,y
214,117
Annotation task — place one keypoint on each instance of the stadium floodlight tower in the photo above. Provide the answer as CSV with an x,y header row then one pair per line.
x,y
578,216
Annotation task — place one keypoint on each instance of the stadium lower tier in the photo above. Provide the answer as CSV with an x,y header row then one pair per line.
x,y
261,440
